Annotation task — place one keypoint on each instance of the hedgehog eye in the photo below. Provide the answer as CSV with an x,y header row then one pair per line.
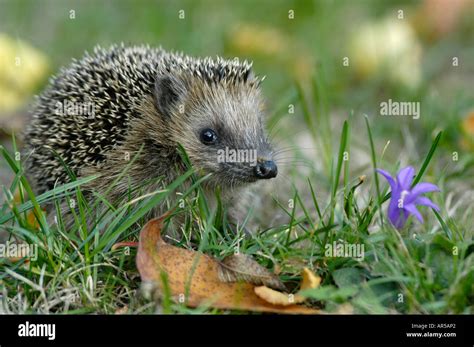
x,y
208,137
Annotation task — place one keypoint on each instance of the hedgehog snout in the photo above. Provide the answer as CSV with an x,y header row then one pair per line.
x,y
265,169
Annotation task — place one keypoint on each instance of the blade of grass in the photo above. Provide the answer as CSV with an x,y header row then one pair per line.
x,y
38,213
374,166
337,174
427,160
56,192
443,225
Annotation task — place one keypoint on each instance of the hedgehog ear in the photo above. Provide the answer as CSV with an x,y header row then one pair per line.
x,y
169,92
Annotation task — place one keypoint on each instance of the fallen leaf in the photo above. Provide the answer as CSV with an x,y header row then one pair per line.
x,y
278,298
242,267
118,245
468,124
345,308
309,281
467,127
194,276
122,310
17,259
30,215
277,269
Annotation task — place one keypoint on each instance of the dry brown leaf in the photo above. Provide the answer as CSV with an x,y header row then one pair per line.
x,y
278,298
345,308
242,267
277,269
197,275
30,215
309,281
467,126
18,259
122,310
118,245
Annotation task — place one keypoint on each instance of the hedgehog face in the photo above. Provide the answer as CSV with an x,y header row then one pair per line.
x,y
220,125
229,134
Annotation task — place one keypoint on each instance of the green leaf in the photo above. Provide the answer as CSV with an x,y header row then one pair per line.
x,y
347,277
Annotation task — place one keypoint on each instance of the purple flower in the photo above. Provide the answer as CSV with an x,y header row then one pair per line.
x,y
405,197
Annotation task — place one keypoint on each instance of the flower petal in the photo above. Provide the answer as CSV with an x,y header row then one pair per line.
x,y
405,177
411,208
421,188
389,178
393,211
396,215
423,200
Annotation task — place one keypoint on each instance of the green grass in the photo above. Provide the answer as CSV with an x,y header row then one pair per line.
x,y
423,268
77,270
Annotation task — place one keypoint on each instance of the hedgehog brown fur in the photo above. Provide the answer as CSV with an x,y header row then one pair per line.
x,y
147,101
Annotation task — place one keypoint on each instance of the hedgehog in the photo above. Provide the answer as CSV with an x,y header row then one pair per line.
x,y
146,103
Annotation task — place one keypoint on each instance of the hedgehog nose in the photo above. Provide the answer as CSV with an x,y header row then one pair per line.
x,y
266,169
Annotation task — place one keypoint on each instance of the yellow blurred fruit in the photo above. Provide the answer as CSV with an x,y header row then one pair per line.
x,y
22,68
271,43
9,99
389,47
467,125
